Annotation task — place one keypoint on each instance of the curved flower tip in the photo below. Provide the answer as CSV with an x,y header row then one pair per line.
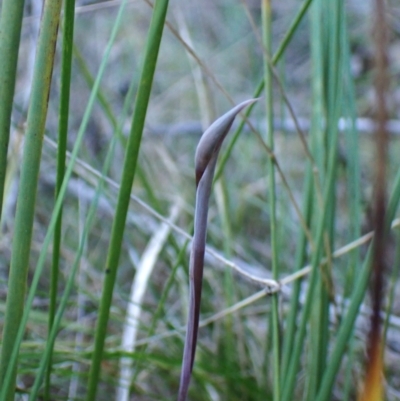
x,y
213,137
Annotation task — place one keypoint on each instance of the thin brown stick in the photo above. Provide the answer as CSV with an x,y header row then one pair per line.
x,y
373,388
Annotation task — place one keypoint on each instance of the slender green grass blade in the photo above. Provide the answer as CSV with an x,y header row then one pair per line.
x,y
320,322
132,152
353,156
345,331
28,184
68,34
268,80
300,261
10,33
230,361
353,168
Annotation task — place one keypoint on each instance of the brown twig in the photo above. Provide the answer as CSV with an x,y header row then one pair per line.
x,y
373,389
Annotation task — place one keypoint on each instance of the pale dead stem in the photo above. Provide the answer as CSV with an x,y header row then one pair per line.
x,y
273,286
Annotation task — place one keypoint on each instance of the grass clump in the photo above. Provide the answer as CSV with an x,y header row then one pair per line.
x,y
116,112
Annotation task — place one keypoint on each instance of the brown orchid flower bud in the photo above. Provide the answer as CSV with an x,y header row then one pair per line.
x,y
205,162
